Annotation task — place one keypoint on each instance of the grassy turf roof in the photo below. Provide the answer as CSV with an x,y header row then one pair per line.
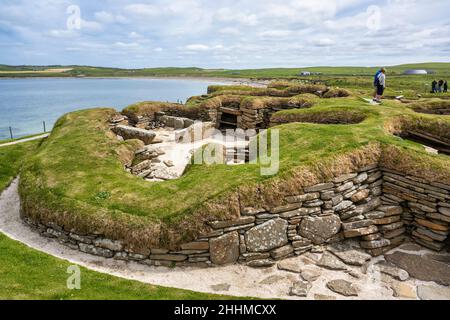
x,y
77,180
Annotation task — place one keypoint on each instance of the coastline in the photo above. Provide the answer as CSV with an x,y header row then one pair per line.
x,y
234,81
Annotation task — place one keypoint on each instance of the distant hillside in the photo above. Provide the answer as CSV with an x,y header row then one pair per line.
x,y
88,71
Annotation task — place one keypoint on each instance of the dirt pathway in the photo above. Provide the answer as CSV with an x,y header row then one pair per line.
x,y
237,280
25,140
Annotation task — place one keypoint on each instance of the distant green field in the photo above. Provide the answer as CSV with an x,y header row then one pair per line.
x,y
269,73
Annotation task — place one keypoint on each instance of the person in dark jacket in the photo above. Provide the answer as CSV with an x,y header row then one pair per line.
x,y
445,86
434,86
440,86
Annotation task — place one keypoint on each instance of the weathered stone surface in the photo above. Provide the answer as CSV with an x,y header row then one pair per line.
x,y
439,217
303,197
282,252
360,232
270,280
370,237
197,245
444,211
79,238
267,236
375,215
301,243
142,166
128,132
427,292
159,251
319,187
313,203
421,268
430,234
392,270
394,233
320,229
310,275
291,265
370,206
343,205
264,263
375,244
327,195
387,220
344,177
169,257
329,261
348,254
108,244
88,248
360,195
360,178
342,287
432,225
221,287
300,288
308,211
344,187
231,223
392,226
287,207
402,290
391,210
358,224
224,249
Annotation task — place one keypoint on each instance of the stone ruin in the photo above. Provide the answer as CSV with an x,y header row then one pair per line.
x,y
378,207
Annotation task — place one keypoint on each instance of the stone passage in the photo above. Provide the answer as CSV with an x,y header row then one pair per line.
x,y
376,206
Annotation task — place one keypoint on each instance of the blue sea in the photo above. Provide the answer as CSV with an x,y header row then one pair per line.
x,y
26,103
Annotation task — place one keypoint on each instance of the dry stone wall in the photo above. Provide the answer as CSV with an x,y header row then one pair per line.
x,y
379,207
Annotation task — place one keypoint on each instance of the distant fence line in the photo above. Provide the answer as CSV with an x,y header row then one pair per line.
x,y
13,133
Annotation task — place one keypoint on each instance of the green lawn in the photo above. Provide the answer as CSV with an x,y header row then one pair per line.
x,y
11,159
29,274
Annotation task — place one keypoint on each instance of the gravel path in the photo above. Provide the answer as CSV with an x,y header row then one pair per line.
x,y
237,280
25,140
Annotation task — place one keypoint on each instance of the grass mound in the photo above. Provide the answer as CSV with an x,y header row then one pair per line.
x,y
337,93
76,178
334,116
433,106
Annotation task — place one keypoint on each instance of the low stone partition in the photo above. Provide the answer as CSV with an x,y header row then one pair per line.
x,y
426,207
378,207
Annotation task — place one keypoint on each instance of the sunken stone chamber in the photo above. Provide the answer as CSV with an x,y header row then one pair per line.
x,y
376,206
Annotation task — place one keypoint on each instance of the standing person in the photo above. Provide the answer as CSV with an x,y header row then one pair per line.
x,y
445,86
434,86
440,85
380,84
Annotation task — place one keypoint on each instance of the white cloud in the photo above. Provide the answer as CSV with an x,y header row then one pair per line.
x,y
230,31
143,9
197,47
323,42
243,33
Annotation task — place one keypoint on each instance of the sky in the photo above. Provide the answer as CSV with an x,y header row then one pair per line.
x,y
223,33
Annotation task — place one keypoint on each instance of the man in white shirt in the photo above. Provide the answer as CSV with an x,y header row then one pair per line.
x,y
380,84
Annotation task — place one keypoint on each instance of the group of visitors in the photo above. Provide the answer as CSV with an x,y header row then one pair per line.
x,y
439,87
379,83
